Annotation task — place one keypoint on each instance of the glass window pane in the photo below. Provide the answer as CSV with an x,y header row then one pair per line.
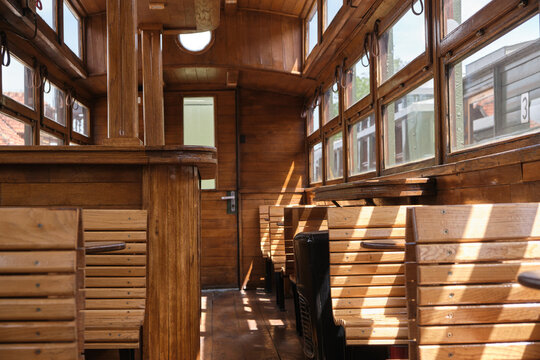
x,y
47,139
312,31
199,127
402,43
18,82
357,82
334,157
72,30
47,12
330,104
315,163
54,105
409,126
362,146
14,131
456,12
332,8
81,119
495,92
313,120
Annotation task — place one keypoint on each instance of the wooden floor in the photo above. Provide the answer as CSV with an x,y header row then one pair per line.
x,y
247,325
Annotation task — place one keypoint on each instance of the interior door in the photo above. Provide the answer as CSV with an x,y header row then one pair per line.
x,y
219,223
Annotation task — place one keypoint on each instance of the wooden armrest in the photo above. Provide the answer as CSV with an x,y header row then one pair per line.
x,y
383,245
96,247
530,279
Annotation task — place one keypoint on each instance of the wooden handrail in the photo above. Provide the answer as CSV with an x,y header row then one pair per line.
x,y
383,245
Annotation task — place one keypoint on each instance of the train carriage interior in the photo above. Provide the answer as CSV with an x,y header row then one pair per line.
x,y
269,179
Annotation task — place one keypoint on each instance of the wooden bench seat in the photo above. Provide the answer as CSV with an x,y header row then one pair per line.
x,y
277,237
463,296
116,280
41,274
264,223
367,285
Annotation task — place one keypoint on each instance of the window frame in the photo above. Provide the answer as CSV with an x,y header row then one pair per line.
x,y
81,29
200,52
344,143
505,24
366,101
11,104
323,163
325,25
359,116
310,14
199,95
75,135
422,62
43,24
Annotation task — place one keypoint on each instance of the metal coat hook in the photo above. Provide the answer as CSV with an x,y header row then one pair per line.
x,y
366,50
421,7
338,73
374,41
4,49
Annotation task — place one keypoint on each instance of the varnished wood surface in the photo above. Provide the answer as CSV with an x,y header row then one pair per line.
x,y
246,325
201,156
376,189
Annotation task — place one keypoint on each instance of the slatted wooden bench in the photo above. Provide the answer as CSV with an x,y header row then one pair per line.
x,y
464,299
264,223
277,237
115,281
367,285
41,251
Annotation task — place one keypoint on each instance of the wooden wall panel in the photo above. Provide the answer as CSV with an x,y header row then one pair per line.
x,y
96,44
272,167
57,185
246,39
98,115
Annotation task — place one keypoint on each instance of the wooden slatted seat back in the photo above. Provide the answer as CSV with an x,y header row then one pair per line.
x,y
277,236
40,257
301,219
462,265
115,281
367,286
264,223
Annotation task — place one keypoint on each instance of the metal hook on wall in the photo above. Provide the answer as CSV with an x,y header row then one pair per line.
x,y
421,7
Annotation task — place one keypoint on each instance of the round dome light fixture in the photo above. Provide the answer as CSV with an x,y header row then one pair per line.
x,y
196,42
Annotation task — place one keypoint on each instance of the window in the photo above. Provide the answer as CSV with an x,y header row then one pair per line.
x,y
14,131
48,139
330,104
80,119
334,156
54,105
196,42
331,8
456,12
357,82
48,12
18,82
313,120
315,163
495,92
362,145
199,127
72,29
409,126
402,43
312,30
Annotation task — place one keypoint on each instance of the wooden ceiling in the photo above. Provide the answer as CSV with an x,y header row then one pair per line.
x,y
182,11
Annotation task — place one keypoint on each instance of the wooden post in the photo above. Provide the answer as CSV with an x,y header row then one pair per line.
x,y
123,127
152,73
172,198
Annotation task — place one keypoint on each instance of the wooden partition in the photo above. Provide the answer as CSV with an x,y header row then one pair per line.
x,y
264,221
464,301
162,180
